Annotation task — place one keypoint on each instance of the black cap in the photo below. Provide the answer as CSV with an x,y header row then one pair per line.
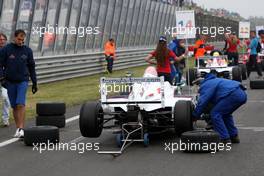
x,y
261,32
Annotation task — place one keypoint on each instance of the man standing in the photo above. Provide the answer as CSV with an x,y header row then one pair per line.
x,y
110,54
225,96
16,66
253,55
6,103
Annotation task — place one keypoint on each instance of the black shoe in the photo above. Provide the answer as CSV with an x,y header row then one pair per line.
x,y
225,141
235,139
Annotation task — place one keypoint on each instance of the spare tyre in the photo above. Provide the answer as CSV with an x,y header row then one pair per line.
x,y
256,84
37,135
50,108
58,121
91,119
200,140
183,116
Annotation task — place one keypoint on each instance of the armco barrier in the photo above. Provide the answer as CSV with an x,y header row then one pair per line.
x,y
61,67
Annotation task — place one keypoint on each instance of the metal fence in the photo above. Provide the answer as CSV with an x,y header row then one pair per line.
x,y
83,26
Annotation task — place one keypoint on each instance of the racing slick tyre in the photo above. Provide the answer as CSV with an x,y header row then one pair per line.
x,y
50,108
41,134
256,84
199,141
236,74
191,76
183,117
243,69
91,119
58,121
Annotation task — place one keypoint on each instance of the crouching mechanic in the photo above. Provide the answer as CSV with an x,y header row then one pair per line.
x,y
226,96
16,65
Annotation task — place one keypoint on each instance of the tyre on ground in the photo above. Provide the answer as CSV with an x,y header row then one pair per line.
x,y
256,84
58,121
50,108
37,135
197,140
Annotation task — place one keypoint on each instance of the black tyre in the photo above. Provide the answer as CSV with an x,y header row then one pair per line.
x,y
256,84
51,108
58,121
41,134
199,139
183,117
236,74
91,119
243,69
191,76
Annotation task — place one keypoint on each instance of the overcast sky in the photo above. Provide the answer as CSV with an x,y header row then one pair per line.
x,y
245,8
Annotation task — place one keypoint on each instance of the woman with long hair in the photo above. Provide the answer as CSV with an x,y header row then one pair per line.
x,y
233,42
162,57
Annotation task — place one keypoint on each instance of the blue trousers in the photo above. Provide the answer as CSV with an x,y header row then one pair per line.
x,y
221,114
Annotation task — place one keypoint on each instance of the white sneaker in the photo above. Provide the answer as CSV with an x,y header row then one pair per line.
x,y
6,123
19,133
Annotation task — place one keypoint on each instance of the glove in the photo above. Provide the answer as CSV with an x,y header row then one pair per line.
x,y
34,88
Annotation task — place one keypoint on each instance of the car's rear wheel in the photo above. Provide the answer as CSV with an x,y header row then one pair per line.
x,y
183,117
243,69
190,76
91,119
236,74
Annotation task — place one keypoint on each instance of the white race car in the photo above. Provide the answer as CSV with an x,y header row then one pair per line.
x,y
148,105
216,64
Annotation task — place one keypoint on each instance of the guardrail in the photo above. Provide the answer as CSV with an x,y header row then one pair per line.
x,y
61,67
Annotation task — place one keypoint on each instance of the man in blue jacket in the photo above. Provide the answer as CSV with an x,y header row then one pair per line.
x,y
16,66
226,96
253,55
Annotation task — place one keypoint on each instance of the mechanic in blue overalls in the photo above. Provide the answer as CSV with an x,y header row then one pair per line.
x,y
226,97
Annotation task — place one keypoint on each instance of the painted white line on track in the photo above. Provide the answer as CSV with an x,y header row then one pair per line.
x,y
12,140
7,142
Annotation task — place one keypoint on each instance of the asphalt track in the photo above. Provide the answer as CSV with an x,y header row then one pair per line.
x,y
246,158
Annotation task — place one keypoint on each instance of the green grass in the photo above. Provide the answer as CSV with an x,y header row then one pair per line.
x,y
73,91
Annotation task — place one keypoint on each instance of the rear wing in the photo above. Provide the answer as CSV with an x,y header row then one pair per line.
x,y
130,81
210,58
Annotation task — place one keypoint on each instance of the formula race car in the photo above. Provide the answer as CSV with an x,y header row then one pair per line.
x,y
145,105
217,64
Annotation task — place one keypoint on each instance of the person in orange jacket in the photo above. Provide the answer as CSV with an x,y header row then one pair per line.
x,y
110,54
199,48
